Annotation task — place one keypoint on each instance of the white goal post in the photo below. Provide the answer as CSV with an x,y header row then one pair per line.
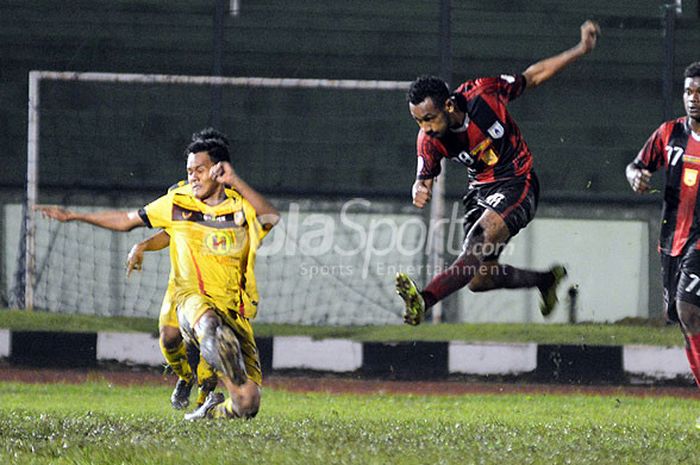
x,y
34,118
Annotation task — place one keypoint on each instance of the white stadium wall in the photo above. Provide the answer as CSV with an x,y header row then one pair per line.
x,y
301,283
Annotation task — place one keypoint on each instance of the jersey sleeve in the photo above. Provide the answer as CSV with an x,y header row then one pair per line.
x,y
430,153
651,156
506,86
256,228
158,214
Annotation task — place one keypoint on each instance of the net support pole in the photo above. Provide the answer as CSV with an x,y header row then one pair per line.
x,y
670,11
32,188
437,206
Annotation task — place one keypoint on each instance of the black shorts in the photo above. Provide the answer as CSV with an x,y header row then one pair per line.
x,y
515,200
681,279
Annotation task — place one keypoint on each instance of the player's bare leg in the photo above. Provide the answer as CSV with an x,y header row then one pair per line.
x,y
175,353
487,237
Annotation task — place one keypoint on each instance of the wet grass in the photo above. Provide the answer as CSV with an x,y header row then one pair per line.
x,y
96,423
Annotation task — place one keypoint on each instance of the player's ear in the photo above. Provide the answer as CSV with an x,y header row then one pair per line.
x,y
450,104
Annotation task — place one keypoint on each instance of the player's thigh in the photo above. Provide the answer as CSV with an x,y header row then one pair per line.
x,y
497,212
168,309
688,290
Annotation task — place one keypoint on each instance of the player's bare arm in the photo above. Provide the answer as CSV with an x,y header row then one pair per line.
x,y
224,173
639,178
115,220
422,192
543,70
134,261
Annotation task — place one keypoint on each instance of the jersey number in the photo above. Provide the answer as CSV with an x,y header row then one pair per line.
x,y
693,284
673,154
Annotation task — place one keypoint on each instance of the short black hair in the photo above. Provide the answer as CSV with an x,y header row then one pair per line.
x,y
693,70
428,86
213,142
210,133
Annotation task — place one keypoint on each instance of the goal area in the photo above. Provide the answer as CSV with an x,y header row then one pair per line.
x,y
116,141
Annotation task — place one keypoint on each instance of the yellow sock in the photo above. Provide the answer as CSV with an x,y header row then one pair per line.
x,y
224,410
177,359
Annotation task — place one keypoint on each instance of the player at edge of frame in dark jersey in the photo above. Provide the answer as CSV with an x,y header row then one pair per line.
x,y
675,147
472,126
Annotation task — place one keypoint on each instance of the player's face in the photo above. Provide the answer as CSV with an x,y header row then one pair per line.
x,y
198,166
691,98
432,119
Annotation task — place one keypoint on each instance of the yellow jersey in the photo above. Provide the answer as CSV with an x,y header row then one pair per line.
x,y
212,248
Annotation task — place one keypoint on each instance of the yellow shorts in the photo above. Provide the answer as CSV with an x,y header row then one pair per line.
x,y
168,309
193,306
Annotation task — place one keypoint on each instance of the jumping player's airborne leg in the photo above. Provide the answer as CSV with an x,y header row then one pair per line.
x,y
477,268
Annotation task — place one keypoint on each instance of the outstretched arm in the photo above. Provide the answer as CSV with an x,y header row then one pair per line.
x,y
224,173
134,261
115,220
541,71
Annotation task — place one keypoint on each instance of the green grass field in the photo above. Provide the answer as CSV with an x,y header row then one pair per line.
x,y
96,423
591,334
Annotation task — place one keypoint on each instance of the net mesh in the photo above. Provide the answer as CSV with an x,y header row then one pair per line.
x,y
118,146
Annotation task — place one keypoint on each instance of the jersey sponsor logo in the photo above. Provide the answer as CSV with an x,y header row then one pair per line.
x,y
509,78
690,177
496,130
484,152
495,199
691,159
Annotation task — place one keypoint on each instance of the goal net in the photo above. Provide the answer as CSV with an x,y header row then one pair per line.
x,y
115,141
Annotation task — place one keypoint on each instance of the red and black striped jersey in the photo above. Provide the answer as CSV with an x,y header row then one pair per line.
x,y
676,148
491,145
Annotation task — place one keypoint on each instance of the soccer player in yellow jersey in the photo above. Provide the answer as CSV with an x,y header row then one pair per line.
x,y
214,235
170,341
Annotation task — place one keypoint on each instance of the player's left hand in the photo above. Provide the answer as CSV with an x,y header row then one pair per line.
x,y
134,261
590,30
223,173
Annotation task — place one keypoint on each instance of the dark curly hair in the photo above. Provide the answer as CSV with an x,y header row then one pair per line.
x,y
428,86
213,142
693,70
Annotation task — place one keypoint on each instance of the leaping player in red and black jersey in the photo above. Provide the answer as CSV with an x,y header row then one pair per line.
x,y
473,126
675,147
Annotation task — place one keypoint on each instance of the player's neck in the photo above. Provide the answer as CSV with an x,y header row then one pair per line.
x,y
216,197
458,120
694,126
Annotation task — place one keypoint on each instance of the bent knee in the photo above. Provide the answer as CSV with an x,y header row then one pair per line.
x,y
170,337
479,284
249,403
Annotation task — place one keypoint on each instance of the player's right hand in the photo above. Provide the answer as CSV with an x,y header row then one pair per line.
x,y
134,261
590,30
640,180
54,212
421,193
